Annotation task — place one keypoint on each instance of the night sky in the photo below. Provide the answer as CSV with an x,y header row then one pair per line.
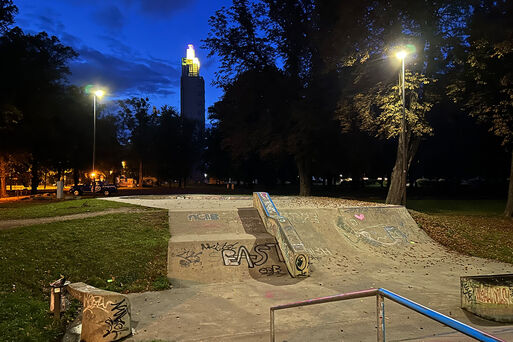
x,y
132,47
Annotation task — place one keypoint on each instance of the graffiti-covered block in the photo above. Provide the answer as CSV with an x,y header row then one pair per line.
x,y
225,257
106,314
488,296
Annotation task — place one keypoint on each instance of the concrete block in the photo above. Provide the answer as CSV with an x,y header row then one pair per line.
x,y
106,314
488,296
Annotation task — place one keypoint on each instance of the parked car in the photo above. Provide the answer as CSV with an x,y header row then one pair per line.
x,y
99,188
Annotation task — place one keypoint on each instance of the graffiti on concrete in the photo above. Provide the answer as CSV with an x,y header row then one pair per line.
x,y
494,295
116,324
218,246
203,217
302,217
319,252
234,257
188,258
360,217
376,235
467,291
268,204
301,263
272,270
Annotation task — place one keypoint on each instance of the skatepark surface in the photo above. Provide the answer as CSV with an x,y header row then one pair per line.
x,y
227,274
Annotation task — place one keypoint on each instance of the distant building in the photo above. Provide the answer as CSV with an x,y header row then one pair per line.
x,y
192,89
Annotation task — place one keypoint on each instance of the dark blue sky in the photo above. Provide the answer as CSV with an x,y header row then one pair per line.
x,y
132,47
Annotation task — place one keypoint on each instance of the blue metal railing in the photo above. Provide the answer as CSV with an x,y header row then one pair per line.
x,y
380,313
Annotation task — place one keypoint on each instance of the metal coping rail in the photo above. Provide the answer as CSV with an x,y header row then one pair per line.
x,y
380,312
270,200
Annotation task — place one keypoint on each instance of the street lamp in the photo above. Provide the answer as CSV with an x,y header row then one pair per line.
x,y
402,55
98,93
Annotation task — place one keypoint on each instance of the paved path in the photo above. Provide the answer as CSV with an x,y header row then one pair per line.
x,y
9,224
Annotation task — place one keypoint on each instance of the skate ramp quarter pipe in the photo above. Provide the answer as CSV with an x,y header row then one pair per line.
x,y
386,226
346,234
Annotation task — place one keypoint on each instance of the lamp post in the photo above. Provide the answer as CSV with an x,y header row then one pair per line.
x,y
99,94
402,55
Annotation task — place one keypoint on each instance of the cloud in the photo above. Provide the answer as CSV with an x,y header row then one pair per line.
x,y
140,77
163,7
69,39
117,46
109,17
152,8
208,63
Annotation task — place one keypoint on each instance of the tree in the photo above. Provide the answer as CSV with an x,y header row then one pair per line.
x,y
137,129
236,36
178,142
7,12
485,84
432,28
254,37
380,110
33,72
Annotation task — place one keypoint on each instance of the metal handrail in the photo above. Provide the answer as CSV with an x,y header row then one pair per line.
x,y
381,294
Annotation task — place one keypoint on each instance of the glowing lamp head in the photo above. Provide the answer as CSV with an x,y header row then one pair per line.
x,y
401,54
99,93
93,175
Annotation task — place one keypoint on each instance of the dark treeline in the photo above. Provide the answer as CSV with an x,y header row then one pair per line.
x,y
311,89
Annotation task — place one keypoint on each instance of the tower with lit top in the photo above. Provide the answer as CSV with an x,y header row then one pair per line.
x,y
192,89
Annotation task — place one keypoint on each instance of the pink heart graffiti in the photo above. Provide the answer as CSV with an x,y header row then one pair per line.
x,y
360,217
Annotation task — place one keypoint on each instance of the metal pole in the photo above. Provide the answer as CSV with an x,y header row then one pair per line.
x,y
403,132
94,128
272,325
380,313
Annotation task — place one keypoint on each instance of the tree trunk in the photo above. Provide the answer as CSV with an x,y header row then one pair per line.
x,y
509,204
304,166
3,176
140,173
397,189
35,177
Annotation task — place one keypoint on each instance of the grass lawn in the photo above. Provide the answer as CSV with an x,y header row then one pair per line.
x,y
47,208
458,207
128,249
472,227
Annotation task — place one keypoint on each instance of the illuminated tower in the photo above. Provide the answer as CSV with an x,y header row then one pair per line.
x,y
192,89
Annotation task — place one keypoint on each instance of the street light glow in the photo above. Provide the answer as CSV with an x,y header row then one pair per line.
x,y
401,54
99,93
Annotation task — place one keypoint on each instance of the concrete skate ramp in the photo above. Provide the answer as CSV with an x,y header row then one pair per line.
x,y
221,246
346,235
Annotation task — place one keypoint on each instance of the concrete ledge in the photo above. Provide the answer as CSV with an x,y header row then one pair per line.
x,y
213,258
488,296
106,315
291,246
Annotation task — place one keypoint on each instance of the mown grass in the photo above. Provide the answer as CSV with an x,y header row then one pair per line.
x,y
118,252
471,227
47,208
